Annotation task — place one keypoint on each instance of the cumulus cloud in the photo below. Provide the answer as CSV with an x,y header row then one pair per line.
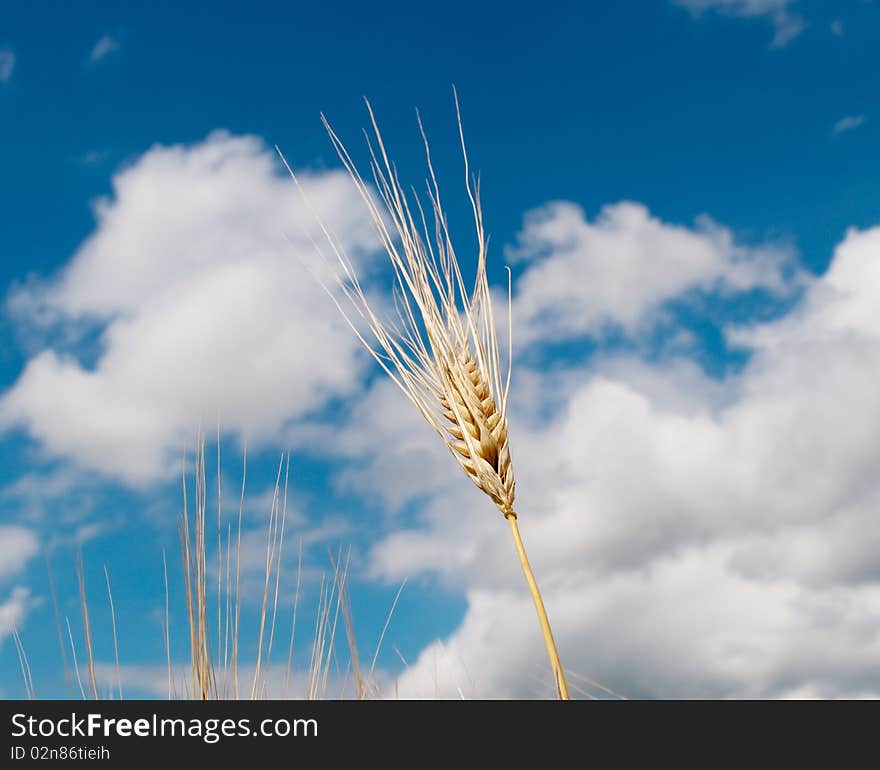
x,y
13,610
7,64
694,536
848,123
194,283
787,24
103,48
622,267
682,628
18,545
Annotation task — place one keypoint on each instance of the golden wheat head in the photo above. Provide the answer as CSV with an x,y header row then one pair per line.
x,y
479,435
442,349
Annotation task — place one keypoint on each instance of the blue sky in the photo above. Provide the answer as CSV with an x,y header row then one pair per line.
x,y
685,191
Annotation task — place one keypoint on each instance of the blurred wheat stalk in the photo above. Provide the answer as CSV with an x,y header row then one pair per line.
x,y
215,606
443,350
214,661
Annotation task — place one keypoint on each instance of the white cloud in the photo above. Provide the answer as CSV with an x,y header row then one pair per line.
x,y
837,28
18,546
104,47
787,24
622,267
328,533
13,610
411,462
7,64
67,498
152,680
683,628
694,537
848,123
205,311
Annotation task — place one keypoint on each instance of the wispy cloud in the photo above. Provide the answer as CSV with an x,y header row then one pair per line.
x,y
7,64
14,609
787,24
848,123
837,28
93,157
103,48
18,545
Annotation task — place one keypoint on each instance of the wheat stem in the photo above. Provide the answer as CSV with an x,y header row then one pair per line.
x,y
552,652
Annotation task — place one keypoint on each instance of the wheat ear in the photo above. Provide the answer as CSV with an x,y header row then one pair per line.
x,y
442,351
